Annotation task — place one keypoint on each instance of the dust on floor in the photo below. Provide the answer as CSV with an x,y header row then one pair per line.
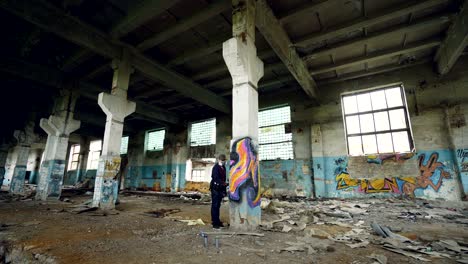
x,y
148,229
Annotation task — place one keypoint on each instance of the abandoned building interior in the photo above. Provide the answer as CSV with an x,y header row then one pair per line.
x,y
343,123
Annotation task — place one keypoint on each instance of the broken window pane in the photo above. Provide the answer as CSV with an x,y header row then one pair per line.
x,y
274,116
397,119
355,146
276,151
401,142
349,103
394,97
124,145
274,135
367,123
203,133
156,140
384,142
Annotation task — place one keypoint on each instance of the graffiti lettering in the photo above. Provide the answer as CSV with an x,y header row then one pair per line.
x,y
462,154
244,172
382,158
406,185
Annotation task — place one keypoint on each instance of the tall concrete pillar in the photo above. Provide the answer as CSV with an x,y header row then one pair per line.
x,y
240,55
3,159
58,127
19,158
116,106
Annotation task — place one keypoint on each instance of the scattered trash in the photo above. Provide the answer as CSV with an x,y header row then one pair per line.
x,y
381,259
160,213
193,222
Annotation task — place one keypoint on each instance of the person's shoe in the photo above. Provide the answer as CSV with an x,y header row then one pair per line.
x,y
221,224
216,227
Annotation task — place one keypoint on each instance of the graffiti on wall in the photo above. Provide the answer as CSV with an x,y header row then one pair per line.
x,y
244,172
429,170
17,181
462,156
395,157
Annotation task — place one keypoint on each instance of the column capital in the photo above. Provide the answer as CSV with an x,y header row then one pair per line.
x,y
242,61
115,107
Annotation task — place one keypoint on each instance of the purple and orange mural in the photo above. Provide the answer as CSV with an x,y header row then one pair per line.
x,y
244,172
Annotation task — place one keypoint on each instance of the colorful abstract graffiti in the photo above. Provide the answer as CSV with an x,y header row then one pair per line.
x,y
403,185
244,172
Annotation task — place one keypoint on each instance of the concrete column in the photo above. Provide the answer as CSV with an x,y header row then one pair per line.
x,y
3,159
19,158
116,106
246,69
58,127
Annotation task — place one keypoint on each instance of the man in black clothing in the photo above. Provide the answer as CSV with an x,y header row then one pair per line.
x,y
218,190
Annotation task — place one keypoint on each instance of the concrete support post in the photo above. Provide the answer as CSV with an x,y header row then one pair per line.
x,y
246,69
19,158
116,107
58,127
3,159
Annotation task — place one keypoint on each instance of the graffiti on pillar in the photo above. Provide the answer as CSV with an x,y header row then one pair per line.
x,y
244,172
108,171
56,177
17,181
462,156
432,174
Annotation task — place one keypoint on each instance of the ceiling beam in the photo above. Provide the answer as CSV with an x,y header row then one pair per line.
x,y
213,9
139,15
279,41
306,8
199,52
416,25
374,71
51,19
136,17
421,45
454,43
364,22
54,78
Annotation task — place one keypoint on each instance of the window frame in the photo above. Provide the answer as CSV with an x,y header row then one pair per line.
x,y
279,142
201,121
126,148
199,178
90,156
148,138
72,156
387,109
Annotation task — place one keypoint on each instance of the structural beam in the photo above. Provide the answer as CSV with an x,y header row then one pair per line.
x,y
52,19
455,42
279,41
415,26
213,9
365,22
54,78
307,8
378,56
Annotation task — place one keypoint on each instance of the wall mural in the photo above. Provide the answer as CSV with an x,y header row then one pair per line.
x,y
244,172
462,156
404,185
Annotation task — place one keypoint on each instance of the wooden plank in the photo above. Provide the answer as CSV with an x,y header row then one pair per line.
x,y
455,42
304,9
279,41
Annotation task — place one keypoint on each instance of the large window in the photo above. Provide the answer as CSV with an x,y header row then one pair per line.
x,y
74,158
275,137
155,140
94,154
203,133
198,175
124,145
376,121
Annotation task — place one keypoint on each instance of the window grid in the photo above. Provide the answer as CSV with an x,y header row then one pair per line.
x,y
203,133
94,154
124,145
156,140
392,105
275,142
198,175
74,157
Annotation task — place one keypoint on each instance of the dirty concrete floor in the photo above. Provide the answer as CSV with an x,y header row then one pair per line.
x,y
131,236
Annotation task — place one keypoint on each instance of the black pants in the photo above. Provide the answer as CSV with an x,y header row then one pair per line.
x,y
216,198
